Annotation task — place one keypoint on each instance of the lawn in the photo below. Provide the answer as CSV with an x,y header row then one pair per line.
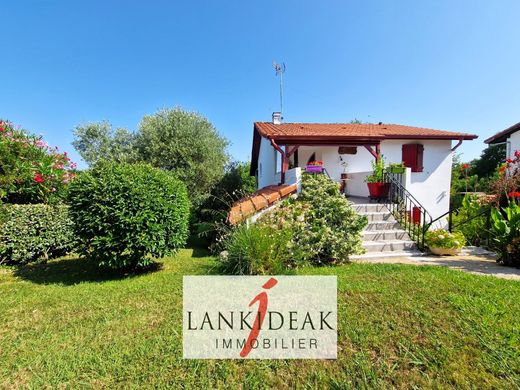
x,y
65,323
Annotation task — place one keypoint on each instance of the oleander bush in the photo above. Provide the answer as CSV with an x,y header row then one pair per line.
x,y
127,214
34,232
31,171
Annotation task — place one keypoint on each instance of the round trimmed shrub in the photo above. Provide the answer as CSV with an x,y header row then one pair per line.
x,y
124,212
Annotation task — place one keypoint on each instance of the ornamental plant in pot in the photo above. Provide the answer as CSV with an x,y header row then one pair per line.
x,y
442,242
344,164
314,167
377,186
396,168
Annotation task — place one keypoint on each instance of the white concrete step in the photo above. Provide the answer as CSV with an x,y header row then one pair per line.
x,y
383,225
369,208
383,235
377,216
388,245
382,255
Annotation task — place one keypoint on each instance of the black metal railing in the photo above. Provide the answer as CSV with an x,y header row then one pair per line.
x,y
485,233
326,172
407,210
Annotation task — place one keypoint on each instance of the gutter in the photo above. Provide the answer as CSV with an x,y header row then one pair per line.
x,y
457,145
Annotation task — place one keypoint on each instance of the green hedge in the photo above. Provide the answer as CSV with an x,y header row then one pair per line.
x,y
124,212
34,232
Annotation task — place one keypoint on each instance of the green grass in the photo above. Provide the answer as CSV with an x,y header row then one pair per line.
x,y
66,323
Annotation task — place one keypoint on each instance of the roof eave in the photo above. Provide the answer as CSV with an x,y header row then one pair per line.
x,y
360,139
501,136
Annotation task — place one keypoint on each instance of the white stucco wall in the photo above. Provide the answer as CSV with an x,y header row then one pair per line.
x,y
267,164
514,144
431,187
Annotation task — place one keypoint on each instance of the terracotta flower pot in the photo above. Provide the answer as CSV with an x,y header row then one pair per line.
x,y
378,190
445,251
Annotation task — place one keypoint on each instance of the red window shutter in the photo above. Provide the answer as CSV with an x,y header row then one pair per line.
x,y
413,156
420,153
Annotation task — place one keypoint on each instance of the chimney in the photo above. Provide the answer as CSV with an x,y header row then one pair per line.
x,y
277,118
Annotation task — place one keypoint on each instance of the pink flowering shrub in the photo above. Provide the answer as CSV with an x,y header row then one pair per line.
x,y
30,170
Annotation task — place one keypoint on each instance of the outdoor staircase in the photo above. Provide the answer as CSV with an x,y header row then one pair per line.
x,y
383,236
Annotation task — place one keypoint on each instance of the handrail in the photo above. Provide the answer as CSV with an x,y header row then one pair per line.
x,y
408,211
486,211
326,172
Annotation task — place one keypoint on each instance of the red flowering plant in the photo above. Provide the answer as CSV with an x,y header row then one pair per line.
x,y
30,170
508,181
465,167
317,163
505,219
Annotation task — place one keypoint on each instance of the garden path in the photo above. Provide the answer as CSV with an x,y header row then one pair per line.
x,y
472,260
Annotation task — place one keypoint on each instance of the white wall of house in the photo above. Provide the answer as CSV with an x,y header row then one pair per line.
x,y
267,164
514,144
431,187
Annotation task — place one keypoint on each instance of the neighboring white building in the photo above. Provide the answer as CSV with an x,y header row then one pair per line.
x,y
510,137
427,153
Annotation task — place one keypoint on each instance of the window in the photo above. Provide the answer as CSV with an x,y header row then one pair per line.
x,y
413,156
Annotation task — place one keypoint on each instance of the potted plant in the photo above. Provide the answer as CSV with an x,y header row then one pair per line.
x,y
314,167
377,186
344,164
442,242
396,167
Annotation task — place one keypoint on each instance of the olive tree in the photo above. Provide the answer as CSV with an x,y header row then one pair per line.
x,y
186,143
171,139
99,141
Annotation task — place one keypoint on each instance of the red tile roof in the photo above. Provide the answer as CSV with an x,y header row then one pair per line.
x,y
341,134
352,131
502,135
258,201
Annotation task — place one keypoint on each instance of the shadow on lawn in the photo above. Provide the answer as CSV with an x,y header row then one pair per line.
x,y
75,270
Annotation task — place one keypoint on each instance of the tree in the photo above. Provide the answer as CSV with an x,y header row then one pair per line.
x,y
186,143
99,141
235,184
489,160
171,139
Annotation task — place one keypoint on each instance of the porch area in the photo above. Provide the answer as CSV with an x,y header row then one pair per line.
x,y
348,165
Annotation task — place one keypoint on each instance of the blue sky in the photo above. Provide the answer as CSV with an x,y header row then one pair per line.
x,y
450,65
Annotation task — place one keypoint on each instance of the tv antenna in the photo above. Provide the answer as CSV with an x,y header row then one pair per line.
x,y
280,70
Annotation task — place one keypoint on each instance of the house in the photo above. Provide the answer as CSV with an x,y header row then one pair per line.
x,y
509,137
280,150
